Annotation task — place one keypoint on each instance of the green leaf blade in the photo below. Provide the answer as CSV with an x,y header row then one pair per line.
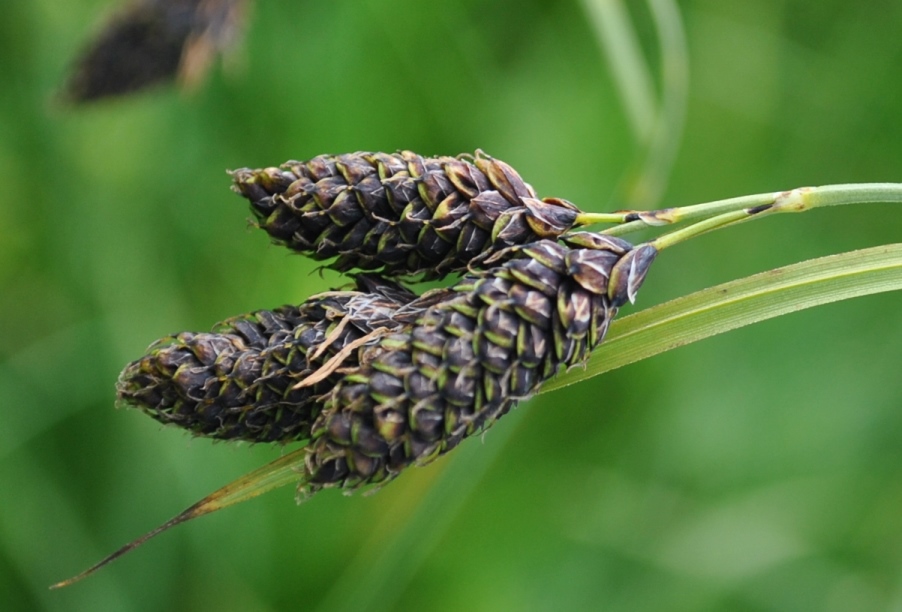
x,y
739,303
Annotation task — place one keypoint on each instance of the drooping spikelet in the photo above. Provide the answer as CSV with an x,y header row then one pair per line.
x,y
486,343
400,213
238,382
378,378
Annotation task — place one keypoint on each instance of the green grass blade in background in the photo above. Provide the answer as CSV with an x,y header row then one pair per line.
x,y
656,126
648,187
735,304
632,75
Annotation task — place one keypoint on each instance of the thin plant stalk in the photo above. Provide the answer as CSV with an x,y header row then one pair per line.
x,y
795,200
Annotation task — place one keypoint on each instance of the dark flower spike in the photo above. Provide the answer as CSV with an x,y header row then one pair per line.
x,y
401,213
447,369
239,381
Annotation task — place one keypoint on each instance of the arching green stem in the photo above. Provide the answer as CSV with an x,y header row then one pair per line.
x,y
747,207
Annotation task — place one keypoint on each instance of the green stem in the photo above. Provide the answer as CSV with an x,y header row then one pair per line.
x,y
702,227
747,207
593,218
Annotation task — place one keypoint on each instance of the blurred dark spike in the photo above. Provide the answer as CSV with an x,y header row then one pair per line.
x,y
151,42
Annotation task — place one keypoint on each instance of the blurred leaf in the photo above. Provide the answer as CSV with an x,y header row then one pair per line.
x,y
656,125
632,75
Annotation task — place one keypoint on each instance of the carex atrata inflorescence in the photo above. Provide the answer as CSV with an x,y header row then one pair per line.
x,y
375,378
486,343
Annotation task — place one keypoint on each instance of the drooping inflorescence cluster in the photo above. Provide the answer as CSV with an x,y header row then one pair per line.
x,y
376,378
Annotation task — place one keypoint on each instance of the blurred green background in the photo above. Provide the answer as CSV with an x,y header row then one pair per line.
x,y
760,470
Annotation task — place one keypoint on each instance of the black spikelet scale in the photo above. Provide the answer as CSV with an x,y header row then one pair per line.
x,y
238,382
400,213
475,351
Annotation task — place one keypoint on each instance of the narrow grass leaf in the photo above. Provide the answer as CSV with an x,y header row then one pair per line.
x,y
738,303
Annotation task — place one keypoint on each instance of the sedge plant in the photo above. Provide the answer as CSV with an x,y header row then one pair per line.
x,y
375,379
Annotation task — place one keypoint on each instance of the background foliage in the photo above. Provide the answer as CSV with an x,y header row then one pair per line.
x,y
757,470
